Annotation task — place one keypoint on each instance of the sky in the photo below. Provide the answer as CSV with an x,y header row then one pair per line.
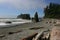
x,y
12,8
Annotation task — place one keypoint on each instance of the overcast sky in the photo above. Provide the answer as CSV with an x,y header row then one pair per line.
x,y
12,8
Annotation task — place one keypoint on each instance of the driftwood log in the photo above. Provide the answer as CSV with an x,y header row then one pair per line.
x,y
30,37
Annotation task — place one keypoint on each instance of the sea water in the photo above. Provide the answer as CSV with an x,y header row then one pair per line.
x,y
13,22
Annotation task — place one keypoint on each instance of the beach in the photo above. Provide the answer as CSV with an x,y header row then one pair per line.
x,y
20,31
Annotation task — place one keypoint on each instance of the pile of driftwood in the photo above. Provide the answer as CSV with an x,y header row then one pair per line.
x,y
39,36
30,37
54,34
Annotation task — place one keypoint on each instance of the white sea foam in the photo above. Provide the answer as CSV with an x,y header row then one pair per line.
x,y
14,21
3,24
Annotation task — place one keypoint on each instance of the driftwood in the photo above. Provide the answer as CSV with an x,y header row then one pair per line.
x,y
30,37
36,28
45,35
2,35
55,33
15,32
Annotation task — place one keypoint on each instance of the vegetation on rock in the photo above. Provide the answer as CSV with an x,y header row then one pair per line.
x,y
24,16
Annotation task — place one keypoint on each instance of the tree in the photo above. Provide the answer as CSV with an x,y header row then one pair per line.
x,y
52,11
36,17
24,16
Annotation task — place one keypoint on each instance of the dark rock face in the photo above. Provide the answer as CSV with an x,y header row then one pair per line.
x,y
8,22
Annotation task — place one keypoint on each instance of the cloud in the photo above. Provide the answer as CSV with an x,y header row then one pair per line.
x,y
25,4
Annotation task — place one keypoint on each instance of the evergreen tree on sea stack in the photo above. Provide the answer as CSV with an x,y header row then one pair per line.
x,y
36,17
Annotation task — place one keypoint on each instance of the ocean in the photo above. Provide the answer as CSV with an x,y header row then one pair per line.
x,y
13,22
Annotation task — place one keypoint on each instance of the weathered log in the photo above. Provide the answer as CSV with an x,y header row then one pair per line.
x,y
30,37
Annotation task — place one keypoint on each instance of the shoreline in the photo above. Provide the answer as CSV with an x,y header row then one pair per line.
x,y
13,25
21,31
